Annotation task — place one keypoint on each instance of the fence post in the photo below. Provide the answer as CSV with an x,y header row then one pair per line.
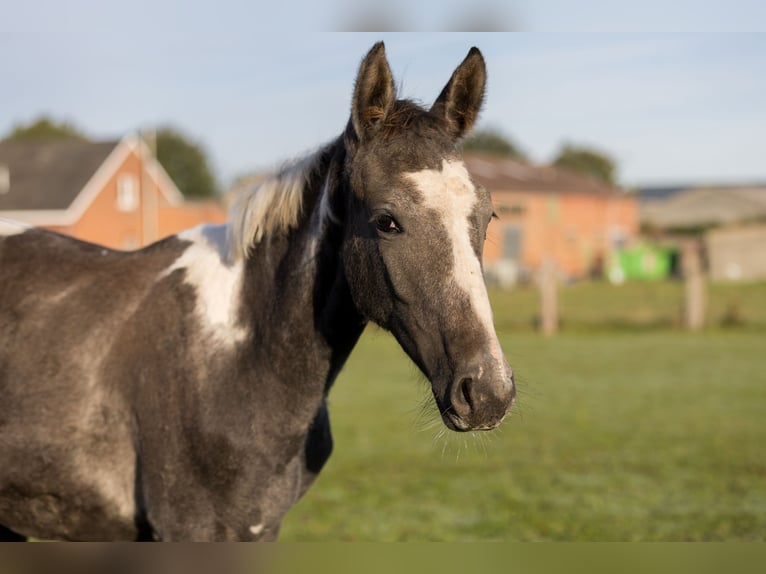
x,y
549,308
694,285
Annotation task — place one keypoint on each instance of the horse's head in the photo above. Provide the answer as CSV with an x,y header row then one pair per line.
x,y
416,225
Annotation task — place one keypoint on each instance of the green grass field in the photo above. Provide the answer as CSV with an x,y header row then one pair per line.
x,y
620,433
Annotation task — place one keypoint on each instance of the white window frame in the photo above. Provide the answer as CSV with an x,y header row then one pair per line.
x,y
127,193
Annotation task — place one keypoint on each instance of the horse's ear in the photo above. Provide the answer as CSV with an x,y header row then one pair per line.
x,y
461,99
374,92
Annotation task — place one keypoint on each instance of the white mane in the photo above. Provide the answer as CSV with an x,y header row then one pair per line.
x,y
270,208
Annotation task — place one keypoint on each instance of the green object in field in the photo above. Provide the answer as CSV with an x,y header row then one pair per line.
x,y
642,262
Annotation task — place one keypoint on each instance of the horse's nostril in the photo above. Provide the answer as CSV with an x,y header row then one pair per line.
x,y
465,390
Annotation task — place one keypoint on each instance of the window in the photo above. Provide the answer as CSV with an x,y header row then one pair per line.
x,y
512,243
517,208
127,194
553,208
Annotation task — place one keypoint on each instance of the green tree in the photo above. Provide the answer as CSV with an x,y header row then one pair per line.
x,y
587,161
186,162
492,141
44,128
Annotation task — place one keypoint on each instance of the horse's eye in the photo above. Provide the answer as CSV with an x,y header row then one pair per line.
x,y
387,224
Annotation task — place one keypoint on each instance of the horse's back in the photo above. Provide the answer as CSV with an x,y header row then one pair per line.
x,y
67,460
62,304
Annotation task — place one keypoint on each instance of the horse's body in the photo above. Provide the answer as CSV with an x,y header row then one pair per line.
x,y
178,392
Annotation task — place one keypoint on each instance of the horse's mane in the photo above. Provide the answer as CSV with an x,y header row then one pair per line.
x,y
270,208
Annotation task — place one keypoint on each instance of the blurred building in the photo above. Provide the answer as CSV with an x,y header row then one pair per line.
x,y
245,184
730,221
544,212
111,193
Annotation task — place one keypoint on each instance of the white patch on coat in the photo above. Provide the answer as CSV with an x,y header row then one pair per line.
x,y
217,280
256,529
11,227
451,193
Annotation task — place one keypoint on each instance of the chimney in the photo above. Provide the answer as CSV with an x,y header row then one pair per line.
x,y
5,179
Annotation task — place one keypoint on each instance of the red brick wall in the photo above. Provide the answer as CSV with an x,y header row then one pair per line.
x,y
103,223
176,218
575,229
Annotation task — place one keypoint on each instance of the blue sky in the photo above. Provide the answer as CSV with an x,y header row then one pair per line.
x,y
684,105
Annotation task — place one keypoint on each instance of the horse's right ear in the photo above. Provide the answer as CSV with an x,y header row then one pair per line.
x,y
374,93
460,101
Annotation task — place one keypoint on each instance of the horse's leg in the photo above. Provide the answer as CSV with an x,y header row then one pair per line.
x,y
8,535
145,532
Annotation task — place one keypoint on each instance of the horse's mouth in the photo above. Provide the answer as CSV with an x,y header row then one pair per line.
x,y
453,422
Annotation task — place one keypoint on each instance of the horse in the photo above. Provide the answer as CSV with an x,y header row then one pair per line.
x,y
178,392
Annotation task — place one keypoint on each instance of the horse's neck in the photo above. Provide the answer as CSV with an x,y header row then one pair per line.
x,y
296,293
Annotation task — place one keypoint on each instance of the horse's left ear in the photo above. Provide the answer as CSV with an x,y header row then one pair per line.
x,y
461,99
374,93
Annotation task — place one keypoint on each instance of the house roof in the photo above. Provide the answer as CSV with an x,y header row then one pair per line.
x,y
505,174
696,207
48,175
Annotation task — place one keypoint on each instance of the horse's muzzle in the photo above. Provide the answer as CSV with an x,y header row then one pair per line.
x,y
479,402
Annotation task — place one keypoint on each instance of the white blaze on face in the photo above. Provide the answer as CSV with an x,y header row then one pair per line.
x,y
451,193
216,282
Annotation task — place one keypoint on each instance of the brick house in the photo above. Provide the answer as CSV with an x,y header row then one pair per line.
x,y
545,211
111,193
